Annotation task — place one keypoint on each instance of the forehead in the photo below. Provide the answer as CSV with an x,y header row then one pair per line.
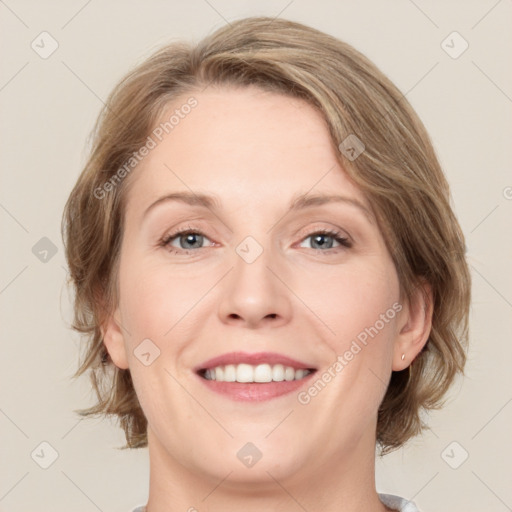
x,y
246,146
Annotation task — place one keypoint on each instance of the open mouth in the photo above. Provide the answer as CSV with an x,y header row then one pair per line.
x,y
261,373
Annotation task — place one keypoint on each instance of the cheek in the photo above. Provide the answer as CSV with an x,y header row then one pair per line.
x,y
358,302
154,305
155,298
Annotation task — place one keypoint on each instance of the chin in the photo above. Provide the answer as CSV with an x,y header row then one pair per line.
x,y
257,462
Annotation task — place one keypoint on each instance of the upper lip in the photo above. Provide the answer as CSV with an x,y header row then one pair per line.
x,y
253,359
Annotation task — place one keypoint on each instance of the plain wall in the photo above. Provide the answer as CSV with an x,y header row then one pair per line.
x,y
48,107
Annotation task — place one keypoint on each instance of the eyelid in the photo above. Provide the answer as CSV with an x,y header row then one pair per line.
x,y
322,227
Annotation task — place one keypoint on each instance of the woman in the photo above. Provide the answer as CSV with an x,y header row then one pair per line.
x,y
268,270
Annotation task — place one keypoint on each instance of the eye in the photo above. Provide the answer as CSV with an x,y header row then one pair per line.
x,y
184,240
325,239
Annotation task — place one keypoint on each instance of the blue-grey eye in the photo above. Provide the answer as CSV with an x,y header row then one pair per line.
x,y
326,240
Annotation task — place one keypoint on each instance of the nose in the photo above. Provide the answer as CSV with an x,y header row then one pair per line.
x,y
254,294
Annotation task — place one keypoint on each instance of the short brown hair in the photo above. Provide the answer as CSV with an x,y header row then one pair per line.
x,y
398,172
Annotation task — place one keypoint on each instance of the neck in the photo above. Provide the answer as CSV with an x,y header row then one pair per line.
x,y
346,483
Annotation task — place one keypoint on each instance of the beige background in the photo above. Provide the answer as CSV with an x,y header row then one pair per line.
x,y
48,108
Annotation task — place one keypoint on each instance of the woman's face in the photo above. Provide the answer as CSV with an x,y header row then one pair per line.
x,y
254,281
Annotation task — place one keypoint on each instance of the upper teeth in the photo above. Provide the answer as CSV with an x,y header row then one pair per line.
x,y
259,373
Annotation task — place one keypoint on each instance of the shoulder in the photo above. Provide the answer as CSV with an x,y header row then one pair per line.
x,y
397,503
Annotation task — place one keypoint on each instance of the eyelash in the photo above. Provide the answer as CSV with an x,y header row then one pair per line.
x,y
336,235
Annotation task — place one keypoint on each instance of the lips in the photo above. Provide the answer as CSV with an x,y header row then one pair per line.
x,y
271,358
256,377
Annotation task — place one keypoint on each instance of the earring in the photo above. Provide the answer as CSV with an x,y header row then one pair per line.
x,y
403,357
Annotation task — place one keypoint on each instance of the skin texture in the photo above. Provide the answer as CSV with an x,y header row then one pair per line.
x,y
256,151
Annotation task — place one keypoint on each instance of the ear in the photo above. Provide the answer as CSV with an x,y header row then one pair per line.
x,y
415,325
113,338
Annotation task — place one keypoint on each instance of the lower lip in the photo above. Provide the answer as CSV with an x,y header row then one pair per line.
x,y
255,391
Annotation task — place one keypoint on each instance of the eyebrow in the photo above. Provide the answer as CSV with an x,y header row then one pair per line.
x,y
299,202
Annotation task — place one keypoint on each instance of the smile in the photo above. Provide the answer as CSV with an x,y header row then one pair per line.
x,y
254,373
